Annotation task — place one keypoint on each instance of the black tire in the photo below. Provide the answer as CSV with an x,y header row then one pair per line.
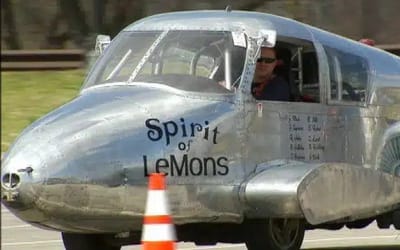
x,y
384,221
74,241
396,219
358,224
275,234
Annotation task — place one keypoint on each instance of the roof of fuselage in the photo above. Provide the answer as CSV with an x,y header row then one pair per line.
x,y
249,22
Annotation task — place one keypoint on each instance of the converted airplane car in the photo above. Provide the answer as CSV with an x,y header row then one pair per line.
x,y
171,93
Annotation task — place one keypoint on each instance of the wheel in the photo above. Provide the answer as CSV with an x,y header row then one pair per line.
x,y
275,234
384,220
396,219
86,242
359,223
389,160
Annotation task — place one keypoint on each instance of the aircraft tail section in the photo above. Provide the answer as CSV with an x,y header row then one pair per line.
x,y
320,192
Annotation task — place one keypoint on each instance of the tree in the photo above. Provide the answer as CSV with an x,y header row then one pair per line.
x,y
71,13
11,38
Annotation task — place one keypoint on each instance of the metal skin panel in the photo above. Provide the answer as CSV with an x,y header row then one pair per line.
x,y
317,134
335,192
320,192
273,189
106,156
84,166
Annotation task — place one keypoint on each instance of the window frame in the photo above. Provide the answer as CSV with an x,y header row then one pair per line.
x,y
336,64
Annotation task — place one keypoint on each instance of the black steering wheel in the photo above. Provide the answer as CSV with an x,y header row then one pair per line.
x,y
350,92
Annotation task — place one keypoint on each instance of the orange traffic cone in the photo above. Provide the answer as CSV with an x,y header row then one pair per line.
x,y
158,230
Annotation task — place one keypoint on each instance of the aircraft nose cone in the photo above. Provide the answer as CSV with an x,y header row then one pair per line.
x,y
16,189
21,177
10,183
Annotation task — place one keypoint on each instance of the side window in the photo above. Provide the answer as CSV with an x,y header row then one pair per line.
x,y
349,76
306,76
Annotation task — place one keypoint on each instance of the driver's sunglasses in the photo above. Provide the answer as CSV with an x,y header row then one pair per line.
x,y
266,59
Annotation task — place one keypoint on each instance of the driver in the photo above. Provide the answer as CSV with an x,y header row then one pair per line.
x,y
266,85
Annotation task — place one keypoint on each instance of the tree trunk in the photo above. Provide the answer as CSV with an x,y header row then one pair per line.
x,y
75,17
99,7
9,21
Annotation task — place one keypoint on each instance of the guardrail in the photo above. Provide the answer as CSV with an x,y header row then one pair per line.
x,y
24,60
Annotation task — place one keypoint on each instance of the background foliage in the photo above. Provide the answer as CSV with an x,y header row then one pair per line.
x,y
46,24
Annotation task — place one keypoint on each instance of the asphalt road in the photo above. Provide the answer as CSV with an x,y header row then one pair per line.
x,y
16,234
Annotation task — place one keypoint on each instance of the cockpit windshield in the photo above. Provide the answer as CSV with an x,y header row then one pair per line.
x,y
203,61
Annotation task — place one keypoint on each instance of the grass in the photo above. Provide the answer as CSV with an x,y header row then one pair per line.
x,y
26,96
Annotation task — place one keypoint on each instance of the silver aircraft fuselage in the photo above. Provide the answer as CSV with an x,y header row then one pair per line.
x,y
227,156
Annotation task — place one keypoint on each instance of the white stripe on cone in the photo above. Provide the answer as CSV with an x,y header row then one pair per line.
x,y
158,232
157,203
